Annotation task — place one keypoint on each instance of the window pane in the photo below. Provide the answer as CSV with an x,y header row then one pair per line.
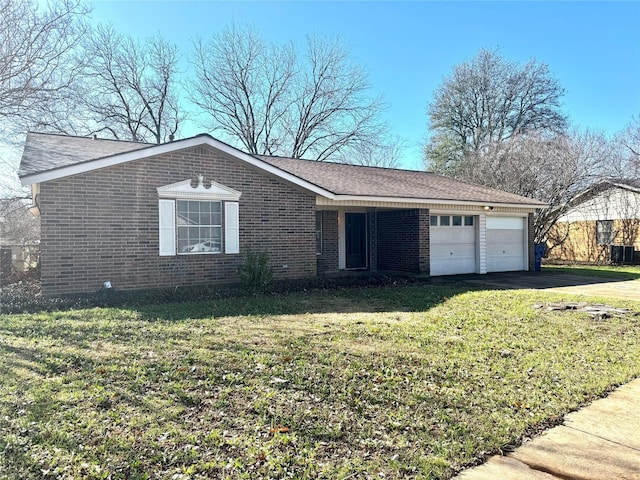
x,y
457,221
468,221
444,220
433,221
604,232
216,218
199,226
216,239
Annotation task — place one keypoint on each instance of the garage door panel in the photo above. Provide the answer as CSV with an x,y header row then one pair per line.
x,y
505,244
506,236
505,249
452,250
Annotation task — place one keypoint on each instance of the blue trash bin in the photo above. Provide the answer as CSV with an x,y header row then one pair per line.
x,y
538,252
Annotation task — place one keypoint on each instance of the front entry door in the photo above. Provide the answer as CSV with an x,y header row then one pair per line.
x,y
356,240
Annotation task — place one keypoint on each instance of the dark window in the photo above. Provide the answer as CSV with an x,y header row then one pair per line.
x,y
468,221
457,221
604,232
433,221
445,220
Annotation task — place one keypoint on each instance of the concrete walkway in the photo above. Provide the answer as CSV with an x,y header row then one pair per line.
x,y
599,442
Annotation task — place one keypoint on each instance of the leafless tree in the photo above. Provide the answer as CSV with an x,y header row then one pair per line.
x,y
129,88
489,100
243,87
36,65
385,153
19,225
268,100
625,161
550,168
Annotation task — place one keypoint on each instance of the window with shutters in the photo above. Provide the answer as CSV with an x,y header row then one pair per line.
x,y
198,220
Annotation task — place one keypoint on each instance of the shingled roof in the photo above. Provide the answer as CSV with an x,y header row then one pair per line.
x,y
51,153
355,180
44,152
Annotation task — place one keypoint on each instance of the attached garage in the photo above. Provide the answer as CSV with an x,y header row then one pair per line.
x,y
452,241
506,244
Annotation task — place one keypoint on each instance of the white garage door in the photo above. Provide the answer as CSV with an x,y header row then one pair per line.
x,y
505,244
452,240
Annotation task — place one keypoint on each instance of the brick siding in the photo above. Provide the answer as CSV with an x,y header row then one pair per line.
x,y
103,225
328,260
403,240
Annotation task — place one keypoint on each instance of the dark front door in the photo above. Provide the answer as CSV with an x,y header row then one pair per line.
x,y
356,239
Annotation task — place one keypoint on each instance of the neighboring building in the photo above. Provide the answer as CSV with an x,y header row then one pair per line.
x,y
185,212
604,215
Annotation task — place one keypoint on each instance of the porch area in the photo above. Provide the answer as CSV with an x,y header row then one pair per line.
x,y
373,240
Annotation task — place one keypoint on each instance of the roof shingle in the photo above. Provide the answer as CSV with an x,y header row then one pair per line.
x,y
46,152
342,179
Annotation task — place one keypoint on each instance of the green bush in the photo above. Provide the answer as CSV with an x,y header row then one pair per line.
x,y
256,274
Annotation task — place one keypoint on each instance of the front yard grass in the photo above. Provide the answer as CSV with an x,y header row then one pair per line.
x,y
619,272
393,382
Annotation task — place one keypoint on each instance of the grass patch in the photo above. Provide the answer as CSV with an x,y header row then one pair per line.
x,y
415,381
623,272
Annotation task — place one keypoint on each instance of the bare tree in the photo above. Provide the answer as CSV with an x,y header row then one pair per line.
x,y
130,87
266,99
243,87
386,153
626,159
490,100
332,110
550,168
36,65
19,225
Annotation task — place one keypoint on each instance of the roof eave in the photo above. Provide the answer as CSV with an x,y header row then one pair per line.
x,y
365,198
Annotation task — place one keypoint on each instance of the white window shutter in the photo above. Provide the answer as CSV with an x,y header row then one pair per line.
x,y
231,228
167,217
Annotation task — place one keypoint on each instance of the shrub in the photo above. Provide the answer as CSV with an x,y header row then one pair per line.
x,y
255,272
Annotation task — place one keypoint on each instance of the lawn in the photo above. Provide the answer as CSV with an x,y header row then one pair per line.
x,y
622,272
393,382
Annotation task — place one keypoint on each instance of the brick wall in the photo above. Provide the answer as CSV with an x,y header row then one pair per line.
x,y
424,252
403,240
328,260
103,225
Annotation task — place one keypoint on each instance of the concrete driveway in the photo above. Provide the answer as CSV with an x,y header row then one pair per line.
x,y
554,282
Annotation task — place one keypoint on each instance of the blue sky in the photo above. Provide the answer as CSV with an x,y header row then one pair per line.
x,y
592,48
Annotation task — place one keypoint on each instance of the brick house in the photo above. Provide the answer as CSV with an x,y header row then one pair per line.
x,y
606,214
183,213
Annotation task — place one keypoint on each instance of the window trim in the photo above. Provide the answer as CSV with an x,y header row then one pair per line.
x,y
610,231
183,191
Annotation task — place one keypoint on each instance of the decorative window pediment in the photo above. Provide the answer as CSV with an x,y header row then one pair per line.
x,y
215,191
